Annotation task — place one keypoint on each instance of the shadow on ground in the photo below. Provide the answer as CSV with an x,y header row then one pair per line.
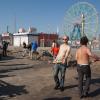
x,y
13,64
58,98
70,86
96,92
9,90
16,68
7,58
2,76
96,80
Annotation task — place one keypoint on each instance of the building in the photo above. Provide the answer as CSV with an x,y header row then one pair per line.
x,y
7,37
0,38
45,40
25,36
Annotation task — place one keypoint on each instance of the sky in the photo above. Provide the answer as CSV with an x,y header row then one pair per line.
x,y
45,15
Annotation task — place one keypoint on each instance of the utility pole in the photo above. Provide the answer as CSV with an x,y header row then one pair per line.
x,y
99,41
7,29
48,40
14,23
57,30
83,21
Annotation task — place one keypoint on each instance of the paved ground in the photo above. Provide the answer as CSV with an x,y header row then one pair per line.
x,y
25,79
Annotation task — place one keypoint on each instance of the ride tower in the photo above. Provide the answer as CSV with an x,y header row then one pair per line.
x,y
78,30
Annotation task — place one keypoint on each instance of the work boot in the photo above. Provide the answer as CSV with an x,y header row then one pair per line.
x,y
61,89
56,87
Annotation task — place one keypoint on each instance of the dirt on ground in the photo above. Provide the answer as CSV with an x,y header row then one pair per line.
x,y
24,79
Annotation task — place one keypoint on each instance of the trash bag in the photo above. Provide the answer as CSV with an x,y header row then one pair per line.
x,y
46,53
72,63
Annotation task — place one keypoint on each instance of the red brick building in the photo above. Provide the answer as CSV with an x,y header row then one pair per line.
x,y
45,40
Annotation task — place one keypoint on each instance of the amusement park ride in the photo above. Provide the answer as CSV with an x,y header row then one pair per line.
x,y
78,30
81,20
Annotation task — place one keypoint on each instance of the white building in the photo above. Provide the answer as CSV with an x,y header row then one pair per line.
x,y
23,36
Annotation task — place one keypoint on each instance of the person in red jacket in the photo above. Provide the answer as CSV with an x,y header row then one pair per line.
x,y
55,50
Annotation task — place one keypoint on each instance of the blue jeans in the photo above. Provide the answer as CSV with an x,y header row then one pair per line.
x,y
59,74
33,55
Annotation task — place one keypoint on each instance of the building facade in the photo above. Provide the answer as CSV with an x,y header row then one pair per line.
x,y
23,36
7,37
45,40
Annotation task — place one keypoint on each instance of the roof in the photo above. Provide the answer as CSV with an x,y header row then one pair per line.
x,y
25,33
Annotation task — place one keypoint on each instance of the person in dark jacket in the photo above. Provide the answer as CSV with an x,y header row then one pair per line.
x,y
5,46
29,47
24,49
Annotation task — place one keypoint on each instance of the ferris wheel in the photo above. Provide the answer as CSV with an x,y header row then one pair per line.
x,y
81,19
